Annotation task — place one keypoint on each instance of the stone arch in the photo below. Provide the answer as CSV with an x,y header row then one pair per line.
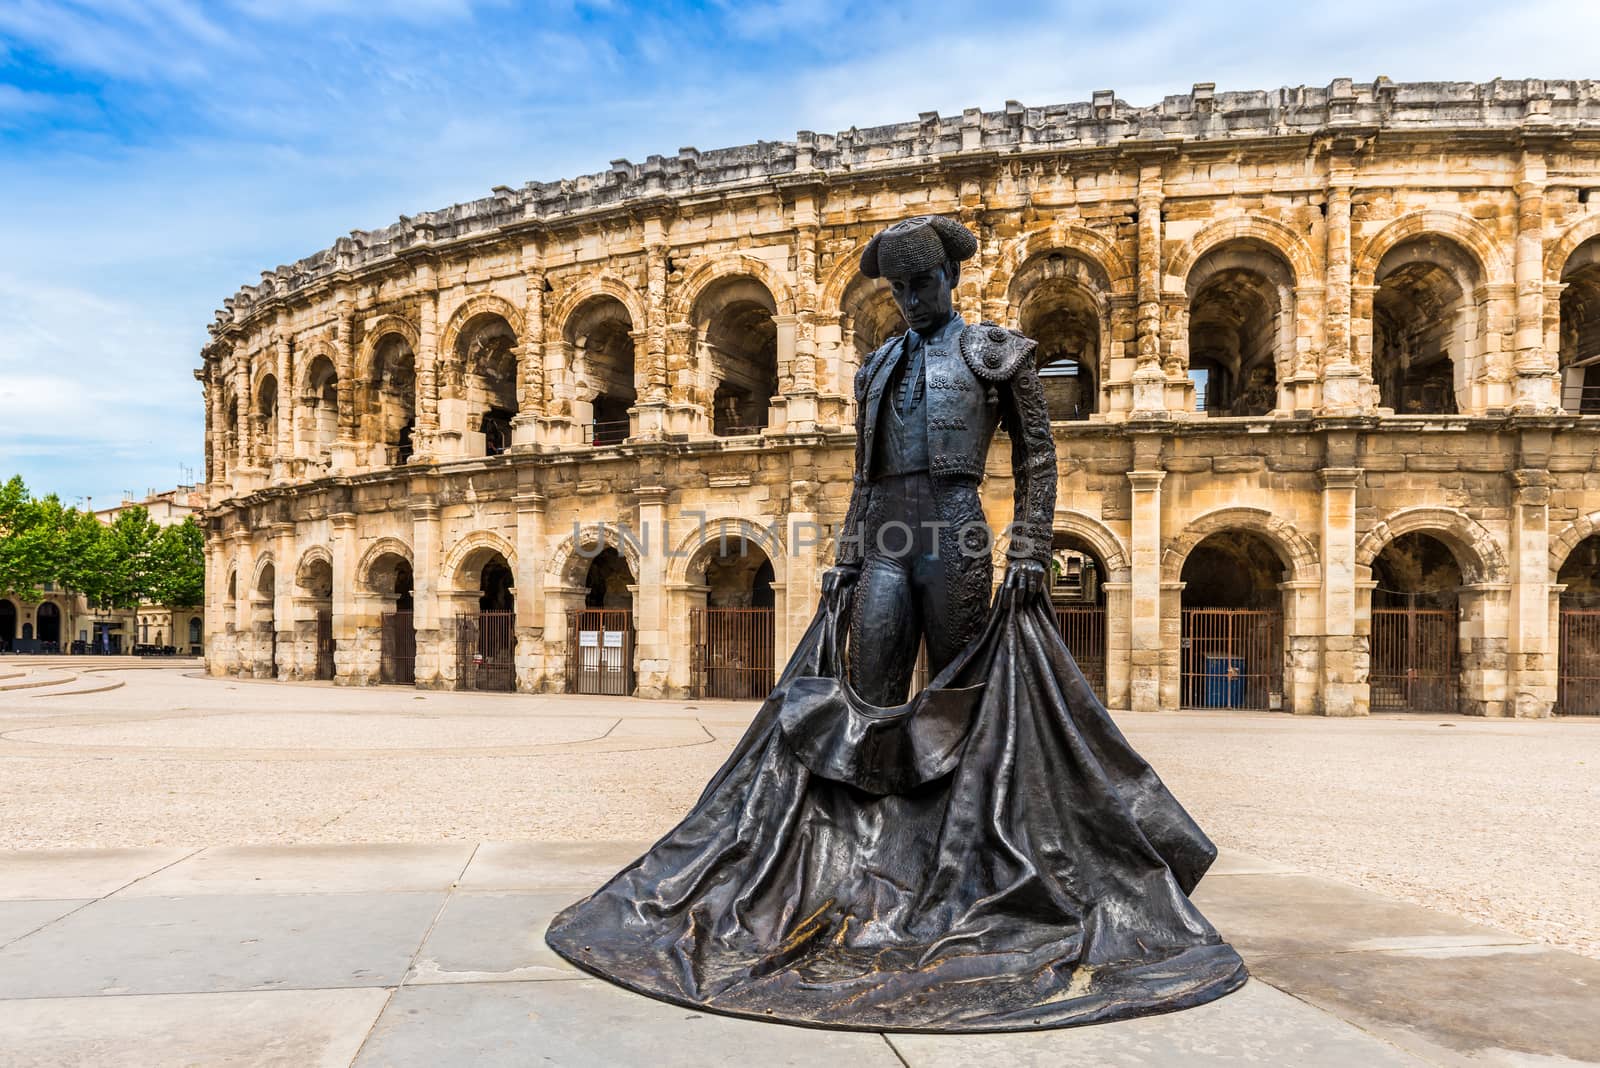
x,y
711,271
695,549
478,304
466,556
838,281
1477,552
1298,554
263,562
305,358
1070,239
569,561
1562,248
1465,231
602,285
1282,239
1573,535
388,324
1101,538
317,554
377,551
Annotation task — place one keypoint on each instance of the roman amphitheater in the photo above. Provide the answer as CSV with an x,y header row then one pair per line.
x,y
1322,363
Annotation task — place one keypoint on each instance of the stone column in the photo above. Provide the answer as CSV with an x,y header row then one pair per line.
x,y
218,648
283,597
425,436
1149,380
1343,692
344,447
433,645
1485,614
1345,389
1532,656
778,407
243,631
283,433
245,440
1537,384
342,547
653,651
530,364
1144,540
654,388
1119,643
530,590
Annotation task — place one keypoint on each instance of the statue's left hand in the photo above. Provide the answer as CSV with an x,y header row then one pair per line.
x,y
1024,578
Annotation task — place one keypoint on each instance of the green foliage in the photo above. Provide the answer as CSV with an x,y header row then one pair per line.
x,y
114,565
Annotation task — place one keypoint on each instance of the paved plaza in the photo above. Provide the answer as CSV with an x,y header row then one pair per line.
x,y
216,871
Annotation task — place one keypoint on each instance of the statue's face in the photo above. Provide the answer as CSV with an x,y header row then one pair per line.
x,y
925,299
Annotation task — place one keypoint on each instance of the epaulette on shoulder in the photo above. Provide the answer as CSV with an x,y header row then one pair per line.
x,y
995,353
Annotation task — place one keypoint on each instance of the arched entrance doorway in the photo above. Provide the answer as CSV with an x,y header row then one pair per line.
x,y
8,626
49,617
1060,303
1241,299
390,580
486,624
1078,596
1578,670
1232,623
600,634
733,320
1580,330
263,623
732,636
1425,326
1415,660
600,334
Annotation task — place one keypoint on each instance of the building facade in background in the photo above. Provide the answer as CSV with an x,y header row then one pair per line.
x,y
1322,363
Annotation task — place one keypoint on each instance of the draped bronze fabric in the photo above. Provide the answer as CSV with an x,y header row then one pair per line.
x,y
1005,862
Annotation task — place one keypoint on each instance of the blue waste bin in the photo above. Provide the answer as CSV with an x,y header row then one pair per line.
x,y
1224,682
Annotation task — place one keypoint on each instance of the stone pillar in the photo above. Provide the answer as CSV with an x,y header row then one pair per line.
x,y
216,426
1119,643
433,645
530,364
283,433
1537,384
1144,540
219,647
243,617
654,649
1149,380
529,578
1484,619
653,418
283,597
244,443
801,411
425,435
1532,654
1302,668
342,547
344,446
778,407
1343,689
1345,389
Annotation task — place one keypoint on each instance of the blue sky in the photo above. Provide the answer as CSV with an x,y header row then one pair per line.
x,y
155,155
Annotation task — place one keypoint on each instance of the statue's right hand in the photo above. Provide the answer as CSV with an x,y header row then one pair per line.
x,y
836,579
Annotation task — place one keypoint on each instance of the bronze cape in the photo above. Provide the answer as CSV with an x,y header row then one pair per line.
x,y
992,856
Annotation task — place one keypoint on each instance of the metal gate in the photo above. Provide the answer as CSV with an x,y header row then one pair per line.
x,y
1414,665
733,654
600,651
1083,631
1578,679
397,663
1232,658
324,644
486,646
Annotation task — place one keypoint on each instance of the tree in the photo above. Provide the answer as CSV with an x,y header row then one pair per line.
x,y
180,571
24,562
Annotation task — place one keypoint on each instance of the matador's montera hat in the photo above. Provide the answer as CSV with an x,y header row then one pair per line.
x,y
917,245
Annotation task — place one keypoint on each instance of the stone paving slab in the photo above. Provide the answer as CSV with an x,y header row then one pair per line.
x,y
1256,1025
182,945
1269,915
288,1028
1499,1005
313,869
18,918
581,866
55,874
588,1022
493,936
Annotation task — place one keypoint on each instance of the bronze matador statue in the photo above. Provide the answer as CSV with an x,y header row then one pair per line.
x,y
927,404
990,855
